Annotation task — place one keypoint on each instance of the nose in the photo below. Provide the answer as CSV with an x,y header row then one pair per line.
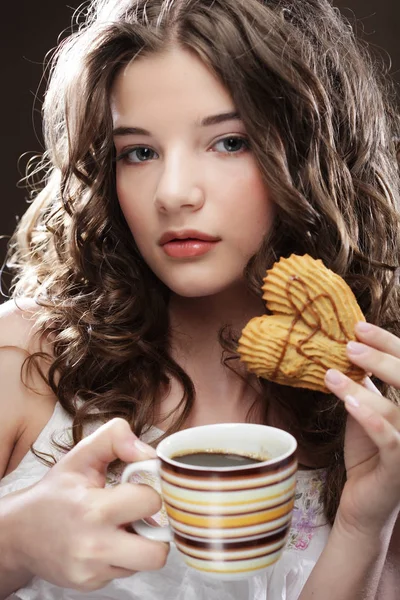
x,y
179,186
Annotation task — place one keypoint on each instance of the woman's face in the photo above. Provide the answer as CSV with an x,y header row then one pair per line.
x,y
187,182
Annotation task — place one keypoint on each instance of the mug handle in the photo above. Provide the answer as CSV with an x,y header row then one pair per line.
x,y
159,534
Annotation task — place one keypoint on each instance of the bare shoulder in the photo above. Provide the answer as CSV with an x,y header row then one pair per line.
x,y
18,324
26,403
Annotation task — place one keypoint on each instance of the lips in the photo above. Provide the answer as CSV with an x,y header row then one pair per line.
x,y
186,235
187,244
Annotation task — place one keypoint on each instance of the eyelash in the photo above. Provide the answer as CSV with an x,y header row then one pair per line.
x,y
125,154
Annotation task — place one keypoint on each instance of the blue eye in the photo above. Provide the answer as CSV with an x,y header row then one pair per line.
x,y
140,154
232,144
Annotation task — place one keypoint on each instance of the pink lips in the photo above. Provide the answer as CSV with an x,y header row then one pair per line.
x,y
187,243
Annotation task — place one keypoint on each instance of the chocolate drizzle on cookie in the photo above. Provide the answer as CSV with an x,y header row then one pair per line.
x,y
298,315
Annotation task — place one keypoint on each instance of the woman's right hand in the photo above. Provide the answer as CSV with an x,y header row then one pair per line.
x,y
69,529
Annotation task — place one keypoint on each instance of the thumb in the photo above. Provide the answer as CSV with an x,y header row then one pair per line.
x,y
113,440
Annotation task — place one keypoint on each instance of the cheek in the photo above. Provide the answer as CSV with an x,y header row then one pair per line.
x,y
247,201
130,207
123,195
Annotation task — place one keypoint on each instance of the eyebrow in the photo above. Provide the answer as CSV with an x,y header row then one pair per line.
x,y
216,119
206,122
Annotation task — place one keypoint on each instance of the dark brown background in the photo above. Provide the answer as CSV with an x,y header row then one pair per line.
x,y
31,29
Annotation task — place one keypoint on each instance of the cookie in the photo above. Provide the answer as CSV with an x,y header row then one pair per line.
x,y
313,317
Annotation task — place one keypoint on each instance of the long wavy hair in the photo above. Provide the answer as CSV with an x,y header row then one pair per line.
x,y
324,130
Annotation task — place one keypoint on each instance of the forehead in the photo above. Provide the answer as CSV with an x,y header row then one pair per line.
x,y
176,83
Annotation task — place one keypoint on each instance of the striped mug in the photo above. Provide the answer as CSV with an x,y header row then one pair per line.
x,y
227,521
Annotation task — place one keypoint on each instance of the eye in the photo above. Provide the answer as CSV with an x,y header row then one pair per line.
x,y
232,144
138,155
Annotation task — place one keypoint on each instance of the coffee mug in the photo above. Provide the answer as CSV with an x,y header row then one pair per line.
x,y
228,519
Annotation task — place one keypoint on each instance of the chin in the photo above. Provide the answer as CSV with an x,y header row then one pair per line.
x,y
195,293
200,280
201,287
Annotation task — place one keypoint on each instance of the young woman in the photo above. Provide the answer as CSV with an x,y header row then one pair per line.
x,y
190,144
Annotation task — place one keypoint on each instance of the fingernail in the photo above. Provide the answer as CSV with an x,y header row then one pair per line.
x,y
145,449
369,385
363,327
356,348
352,401
335,377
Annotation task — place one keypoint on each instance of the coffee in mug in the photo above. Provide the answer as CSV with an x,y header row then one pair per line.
x,y
216,458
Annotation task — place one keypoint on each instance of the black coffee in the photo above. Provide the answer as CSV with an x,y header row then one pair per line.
x,y
216,459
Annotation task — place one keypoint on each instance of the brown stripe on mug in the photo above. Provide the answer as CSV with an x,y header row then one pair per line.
x,y
228,473
253,482
273,537
231,559
216,513
227,534
217,570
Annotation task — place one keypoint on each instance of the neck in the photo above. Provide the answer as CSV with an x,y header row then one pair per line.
x,y
222,393
197,321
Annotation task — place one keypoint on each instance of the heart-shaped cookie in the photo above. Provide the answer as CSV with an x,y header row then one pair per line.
x,y
313,317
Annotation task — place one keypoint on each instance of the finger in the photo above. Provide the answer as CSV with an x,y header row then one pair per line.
x,y
378,338
119,573
382,365
343,386
124,503
113,440
108,574
382,433
134,552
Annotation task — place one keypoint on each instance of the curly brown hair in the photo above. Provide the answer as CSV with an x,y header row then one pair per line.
x,y
323,126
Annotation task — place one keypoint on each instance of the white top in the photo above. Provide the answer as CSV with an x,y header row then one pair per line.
x,y
284,581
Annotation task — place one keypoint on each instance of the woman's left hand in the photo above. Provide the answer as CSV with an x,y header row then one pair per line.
x,y
371,495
